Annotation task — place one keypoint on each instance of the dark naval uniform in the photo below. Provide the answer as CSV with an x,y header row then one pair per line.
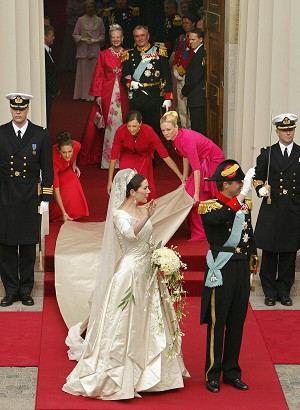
x,y
155,80
172,30
277,230
127,18
23,164
224,307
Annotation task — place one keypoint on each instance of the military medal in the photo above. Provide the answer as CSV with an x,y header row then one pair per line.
x,y
33,149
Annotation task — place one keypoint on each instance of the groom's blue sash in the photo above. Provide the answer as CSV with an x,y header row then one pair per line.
x,y
142,65
214,275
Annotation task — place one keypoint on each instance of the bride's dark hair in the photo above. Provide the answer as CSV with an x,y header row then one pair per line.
x,y
134,183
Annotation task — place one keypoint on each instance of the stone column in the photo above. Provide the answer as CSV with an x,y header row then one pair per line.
x,y
22,55
268,69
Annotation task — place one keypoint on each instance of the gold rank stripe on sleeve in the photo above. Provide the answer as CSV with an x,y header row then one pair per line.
x,y
249,203
208,206
46,190
257,182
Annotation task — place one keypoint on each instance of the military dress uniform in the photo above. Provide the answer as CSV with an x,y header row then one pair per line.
x,y
277,230
127,18
224,306
172,30
25,179
155,80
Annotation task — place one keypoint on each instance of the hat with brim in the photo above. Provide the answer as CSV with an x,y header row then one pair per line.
x,y
285,121
19,100
227,171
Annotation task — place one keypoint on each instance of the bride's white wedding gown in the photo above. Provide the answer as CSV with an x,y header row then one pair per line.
x,y
130,351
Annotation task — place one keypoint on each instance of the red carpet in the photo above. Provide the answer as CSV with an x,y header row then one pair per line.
x,y
54,367
281,332
20,338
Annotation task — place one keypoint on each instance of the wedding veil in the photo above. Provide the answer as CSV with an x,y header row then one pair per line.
x,y
110,254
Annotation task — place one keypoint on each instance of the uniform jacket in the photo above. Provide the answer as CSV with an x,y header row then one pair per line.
x,y
218,216
278,224
194,85
21,164
157,73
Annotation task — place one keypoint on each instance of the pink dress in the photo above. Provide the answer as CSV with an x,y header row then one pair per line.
x,y
87,53
203,155
105,84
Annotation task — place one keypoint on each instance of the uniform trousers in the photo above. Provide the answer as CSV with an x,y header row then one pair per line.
x,y
198,119
17,268
150,108
228,309
277,273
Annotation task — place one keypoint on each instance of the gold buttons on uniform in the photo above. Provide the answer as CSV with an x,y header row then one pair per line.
x,y
25,164
17,173
281,180
25,157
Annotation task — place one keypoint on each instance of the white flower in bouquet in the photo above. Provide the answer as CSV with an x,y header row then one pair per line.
x,y
167,261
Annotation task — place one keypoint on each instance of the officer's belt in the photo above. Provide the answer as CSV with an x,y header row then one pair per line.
x,y
145,85
237,250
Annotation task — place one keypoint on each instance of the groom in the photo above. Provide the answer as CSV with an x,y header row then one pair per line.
x,y
228,228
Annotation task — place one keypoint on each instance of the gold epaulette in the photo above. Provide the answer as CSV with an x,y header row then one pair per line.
x,y
177,21
208,206
135,11
257,182
125,55
162,51
249,203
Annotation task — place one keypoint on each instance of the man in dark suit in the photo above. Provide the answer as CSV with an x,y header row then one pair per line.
x,y
225,295
194,85
52,89
26,176
277,232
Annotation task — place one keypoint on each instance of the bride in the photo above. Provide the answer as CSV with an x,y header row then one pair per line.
x,y
131,325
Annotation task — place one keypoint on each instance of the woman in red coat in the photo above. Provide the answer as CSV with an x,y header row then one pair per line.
x,y
134,146
70,202
111,99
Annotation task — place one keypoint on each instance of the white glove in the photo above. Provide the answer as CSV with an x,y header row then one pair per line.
x,y
177,75
167,104
248,181
135,85
44,206
263,192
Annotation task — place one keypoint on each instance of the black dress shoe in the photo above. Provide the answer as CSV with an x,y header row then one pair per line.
x,y
8,300
237,383
286,301
27,300
213,386
270,301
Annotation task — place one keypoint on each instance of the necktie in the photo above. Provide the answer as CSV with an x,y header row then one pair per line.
x,y
285,155
19,134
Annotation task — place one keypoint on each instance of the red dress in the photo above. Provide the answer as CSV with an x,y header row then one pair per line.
x,y
108,69
69,186
137,152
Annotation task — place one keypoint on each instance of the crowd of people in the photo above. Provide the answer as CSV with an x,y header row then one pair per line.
x,y
122,348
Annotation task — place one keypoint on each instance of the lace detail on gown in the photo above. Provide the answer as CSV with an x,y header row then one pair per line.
x,y
129,353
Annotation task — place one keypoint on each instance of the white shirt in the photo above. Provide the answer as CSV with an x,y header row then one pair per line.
x,y
289,148
48,49
196,49
23,129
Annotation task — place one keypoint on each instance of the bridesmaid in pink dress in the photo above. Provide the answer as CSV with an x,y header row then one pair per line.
x,y
111,96
203,155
